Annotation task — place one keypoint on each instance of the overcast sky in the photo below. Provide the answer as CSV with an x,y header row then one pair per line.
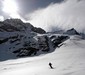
x,y
27,6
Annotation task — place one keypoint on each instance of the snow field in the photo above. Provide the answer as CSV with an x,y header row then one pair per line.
x,y
69,59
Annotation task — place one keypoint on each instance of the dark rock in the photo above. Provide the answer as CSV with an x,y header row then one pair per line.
x,y
58,40
11,25
72,32
3,40
38,30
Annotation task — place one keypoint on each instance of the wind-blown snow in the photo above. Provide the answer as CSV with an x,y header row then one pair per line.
x,y
67,60
66,15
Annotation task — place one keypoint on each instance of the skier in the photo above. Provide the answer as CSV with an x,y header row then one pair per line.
x,y
50,64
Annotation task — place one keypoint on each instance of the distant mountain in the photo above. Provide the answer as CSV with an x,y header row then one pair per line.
x,y
71,32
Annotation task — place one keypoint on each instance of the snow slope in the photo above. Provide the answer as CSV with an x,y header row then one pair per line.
x,y
69,59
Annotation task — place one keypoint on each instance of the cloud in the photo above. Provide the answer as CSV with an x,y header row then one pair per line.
x,y
1,18
65,15
9,9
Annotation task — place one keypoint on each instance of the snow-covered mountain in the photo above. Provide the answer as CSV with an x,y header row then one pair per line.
x,y
18,39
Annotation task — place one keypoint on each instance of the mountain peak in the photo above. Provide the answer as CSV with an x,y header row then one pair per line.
x,y
72,31
11,25
12,20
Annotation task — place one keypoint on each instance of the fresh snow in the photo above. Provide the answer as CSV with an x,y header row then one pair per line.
x,y
69,59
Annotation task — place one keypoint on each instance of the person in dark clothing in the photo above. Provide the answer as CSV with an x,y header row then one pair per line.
x,y
50,64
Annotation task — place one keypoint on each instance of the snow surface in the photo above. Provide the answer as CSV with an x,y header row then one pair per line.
x,y
69,59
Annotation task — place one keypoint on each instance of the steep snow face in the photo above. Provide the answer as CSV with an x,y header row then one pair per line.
x,y
18,39
22,44
69,59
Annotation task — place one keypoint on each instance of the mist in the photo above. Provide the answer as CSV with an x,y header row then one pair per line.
x,y
66,15
1,18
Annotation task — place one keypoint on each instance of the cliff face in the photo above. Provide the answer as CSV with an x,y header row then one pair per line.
x,y
18,39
